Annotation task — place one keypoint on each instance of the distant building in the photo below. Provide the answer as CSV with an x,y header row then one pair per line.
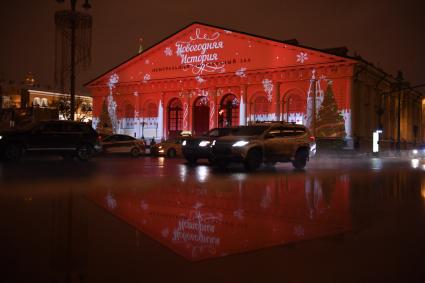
x,y
205,76
26,102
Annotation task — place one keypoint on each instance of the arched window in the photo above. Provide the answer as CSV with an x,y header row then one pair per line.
x,y
261,108
151,110
228,114
175,117
294,108
129,111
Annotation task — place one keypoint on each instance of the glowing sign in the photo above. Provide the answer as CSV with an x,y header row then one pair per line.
x,y
199,52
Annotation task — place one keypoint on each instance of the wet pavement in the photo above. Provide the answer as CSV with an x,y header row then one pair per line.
x,y
118,219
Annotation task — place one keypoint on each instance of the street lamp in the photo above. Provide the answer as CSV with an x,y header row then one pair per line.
x,y
72,21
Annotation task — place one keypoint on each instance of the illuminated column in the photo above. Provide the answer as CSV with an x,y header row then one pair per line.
x,y
186,104
243,106
213,107
160,124
276,89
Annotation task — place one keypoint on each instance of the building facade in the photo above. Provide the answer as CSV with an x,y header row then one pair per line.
x,y
22,103
204,77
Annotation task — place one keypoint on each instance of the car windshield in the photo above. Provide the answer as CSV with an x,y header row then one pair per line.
x,y
249,130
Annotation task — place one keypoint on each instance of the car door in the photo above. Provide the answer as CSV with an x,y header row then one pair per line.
x,y
273,141
45,137
71,137
109,144
126,143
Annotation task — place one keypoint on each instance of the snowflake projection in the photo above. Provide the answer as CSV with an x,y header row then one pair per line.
x,y
113,80
235,102
111,203
302,57
165,232
200,80
168,51
239,213
146,78
241,72
268,88
147,61
136,93
144,205
299,231
197,205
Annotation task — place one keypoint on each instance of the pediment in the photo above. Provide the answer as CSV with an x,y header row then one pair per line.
x,y
201,50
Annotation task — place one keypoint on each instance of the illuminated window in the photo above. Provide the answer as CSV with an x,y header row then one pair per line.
x,y
175,116
228,114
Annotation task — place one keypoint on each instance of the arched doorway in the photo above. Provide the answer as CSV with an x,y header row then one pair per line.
x,y
228,114
261,108
175,118
201,115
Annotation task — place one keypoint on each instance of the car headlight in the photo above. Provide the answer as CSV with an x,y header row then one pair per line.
x,y
240,143
1,137
415,151
204,143
160,147
184,143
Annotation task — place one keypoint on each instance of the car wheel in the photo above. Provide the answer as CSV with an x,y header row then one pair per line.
x,y
300,160
85,152
171,153
135,152
191,159
12,152
253,160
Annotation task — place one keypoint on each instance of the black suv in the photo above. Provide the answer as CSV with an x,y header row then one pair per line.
x,y
265,142
66,138
195,148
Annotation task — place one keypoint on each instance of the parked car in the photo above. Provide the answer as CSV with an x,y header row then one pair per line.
x,y
169,148
65,138
123,144
194,148
265,142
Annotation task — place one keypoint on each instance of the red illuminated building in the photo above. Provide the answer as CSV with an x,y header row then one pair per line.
x,y
204,76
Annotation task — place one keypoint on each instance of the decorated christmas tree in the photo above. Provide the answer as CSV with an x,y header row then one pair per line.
x,y
104,127
329,123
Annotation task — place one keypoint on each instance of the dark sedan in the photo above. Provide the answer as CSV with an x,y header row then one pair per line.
x,y
195,148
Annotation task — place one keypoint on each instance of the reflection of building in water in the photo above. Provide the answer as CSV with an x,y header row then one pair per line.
x,y
234,216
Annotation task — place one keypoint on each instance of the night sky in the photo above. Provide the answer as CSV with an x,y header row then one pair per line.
x,y
388,33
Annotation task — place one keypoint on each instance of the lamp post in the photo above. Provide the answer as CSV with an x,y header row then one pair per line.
x,y
399,79
86,6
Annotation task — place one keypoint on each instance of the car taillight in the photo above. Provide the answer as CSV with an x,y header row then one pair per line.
x,y
312,138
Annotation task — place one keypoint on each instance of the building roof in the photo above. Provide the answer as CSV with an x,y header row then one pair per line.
x,y
330,54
